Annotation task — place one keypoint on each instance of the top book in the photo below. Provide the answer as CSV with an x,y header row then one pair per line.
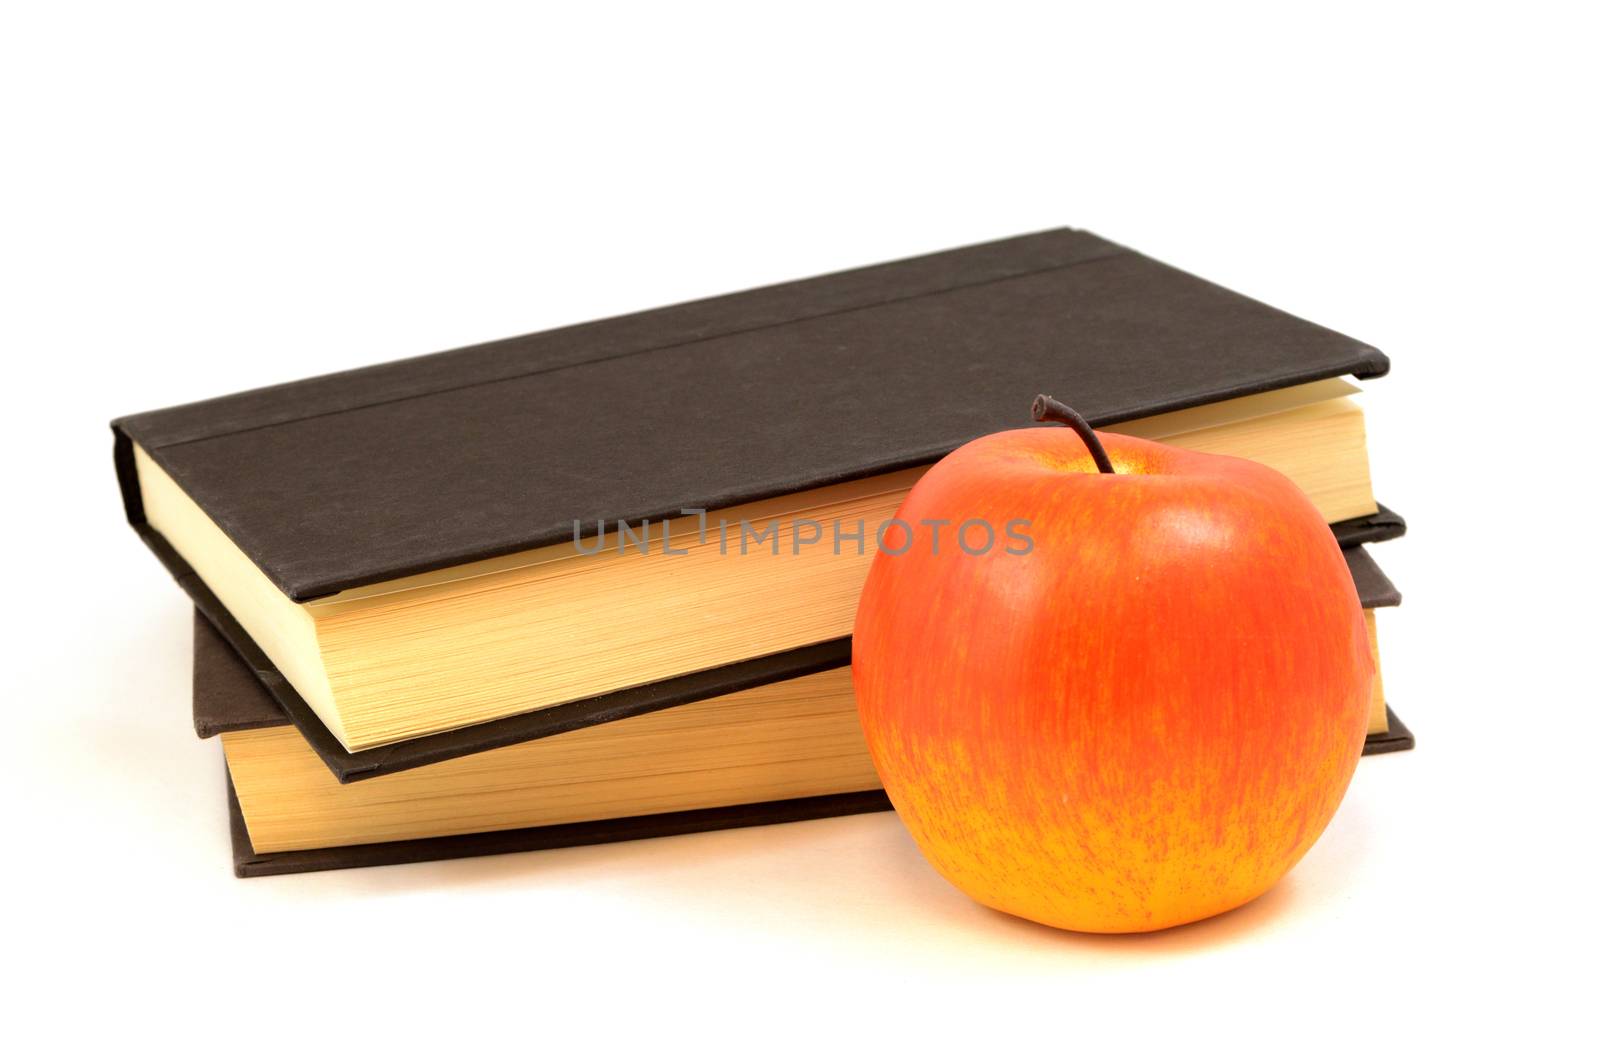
x,y
350,496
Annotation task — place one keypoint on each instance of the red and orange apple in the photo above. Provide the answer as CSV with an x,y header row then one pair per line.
x,y
1139,711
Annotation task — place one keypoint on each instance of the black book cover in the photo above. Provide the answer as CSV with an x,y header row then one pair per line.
x,y
231,690
393,470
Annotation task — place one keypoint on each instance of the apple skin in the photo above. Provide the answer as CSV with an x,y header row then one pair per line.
x,y
1145,720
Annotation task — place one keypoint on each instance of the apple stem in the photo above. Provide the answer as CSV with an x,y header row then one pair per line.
x,y
1047,409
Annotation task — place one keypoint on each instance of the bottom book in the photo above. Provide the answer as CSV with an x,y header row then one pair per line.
x,y
248,863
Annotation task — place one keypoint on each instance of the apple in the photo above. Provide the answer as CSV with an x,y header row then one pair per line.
x,y
1139,711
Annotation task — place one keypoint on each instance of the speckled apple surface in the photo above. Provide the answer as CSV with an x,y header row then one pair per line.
x,y
1144,720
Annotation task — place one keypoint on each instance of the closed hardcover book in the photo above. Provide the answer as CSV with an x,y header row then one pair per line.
x,y
420,547
215,714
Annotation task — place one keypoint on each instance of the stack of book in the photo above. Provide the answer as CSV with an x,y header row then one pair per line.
x,y
598,583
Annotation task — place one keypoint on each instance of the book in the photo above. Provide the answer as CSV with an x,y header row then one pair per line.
x,y
419,546
248,864
216,715
785,750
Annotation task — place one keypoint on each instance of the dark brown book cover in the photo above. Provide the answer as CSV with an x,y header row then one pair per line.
x,y
340,481
233,677
1393,739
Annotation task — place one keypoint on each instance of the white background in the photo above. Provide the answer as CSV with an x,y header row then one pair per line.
x,y
202,198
